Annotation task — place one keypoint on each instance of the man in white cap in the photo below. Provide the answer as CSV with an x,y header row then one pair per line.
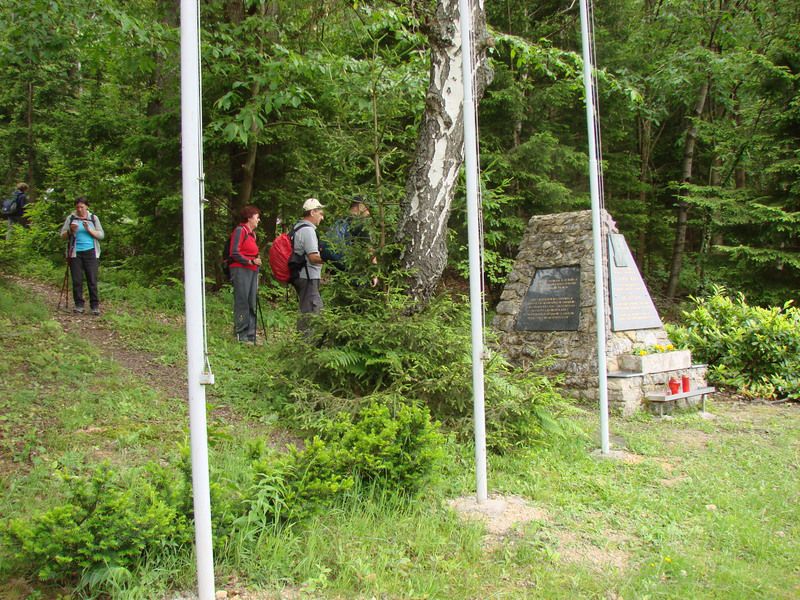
x,y
306,244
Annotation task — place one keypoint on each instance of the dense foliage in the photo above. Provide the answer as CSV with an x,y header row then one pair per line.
x,y
752,349
367,343
698,112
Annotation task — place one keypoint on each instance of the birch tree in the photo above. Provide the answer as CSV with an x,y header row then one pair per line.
x,y
432,180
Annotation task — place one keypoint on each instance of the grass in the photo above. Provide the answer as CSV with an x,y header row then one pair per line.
x,y
708,508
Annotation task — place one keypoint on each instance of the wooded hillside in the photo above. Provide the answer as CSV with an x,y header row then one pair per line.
x,y
699,114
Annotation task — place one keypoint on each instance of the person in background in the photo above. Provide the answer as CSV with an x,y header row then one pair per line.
x,y
359,234
339,244
306,244
83,231
245,263
20,197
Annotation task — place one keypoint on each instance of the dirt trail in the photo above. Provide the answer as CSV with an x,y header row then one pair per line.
x,y
170,381
97,331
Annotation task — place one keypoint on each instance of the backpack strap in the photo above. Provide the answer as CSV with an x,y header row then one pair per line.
x,y
295,229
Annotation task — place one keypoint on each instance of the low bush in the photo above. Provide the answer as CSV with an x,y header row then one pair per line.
x,y
391,443
754,349
111,521
107,520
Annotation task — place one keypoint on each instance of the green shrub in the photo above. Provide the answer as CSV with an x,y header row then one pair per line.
x,y
398,447
754,349
521,406
107,521
376,346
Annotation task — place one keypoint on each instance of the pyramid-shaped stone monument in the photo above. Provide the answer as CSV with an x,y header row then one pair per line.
x,y
547,313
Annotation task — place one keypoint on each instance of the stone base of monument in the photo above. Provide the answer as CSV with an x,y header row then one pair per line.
x,y
627,390
655,363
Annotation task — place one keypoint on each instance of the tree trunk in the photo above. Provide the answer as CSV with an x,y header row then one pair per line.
x,y
376,159
31,151
440,148
645,137
714,180
679,244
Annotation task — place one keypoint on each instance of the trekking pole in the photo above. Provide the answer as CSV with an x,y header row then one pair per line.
x,y
261,316
64,294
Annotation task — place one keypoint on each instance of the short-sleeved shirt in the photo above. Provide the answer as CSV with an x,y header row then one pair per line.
x,y
305,243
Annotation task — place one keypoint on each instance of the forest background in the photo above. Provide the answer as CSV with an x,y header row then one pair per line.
x,y
699,106
371,433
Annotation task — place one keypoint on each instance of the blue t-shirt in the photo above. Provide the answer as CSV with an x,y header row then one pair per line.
x,y
83,240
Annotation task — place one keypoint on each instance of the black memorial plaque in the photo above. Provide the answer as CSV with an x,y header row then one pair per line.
x,y
631,305
553,301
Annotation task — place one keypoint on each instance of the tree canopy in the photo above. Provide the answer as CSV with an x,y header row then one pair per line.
x,y
699,116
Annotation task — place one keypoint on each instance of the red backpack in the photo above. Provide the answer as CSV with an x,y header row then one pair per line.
x,y
285,264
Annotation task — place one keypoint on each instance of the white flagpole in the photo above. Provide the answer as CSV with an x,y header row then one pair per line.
x,y
594,188
191,140
473,225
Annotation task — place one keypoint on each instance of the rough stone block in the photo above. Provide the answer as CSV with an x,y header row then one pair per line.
x,y
505,308
656,363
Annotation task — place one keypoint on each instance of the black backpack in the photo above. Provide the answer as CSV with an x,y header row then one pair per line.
x,y
226,258
14,205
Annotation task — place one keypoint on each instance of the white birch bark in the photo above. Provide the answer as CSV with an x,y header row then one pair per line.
x,y
431,183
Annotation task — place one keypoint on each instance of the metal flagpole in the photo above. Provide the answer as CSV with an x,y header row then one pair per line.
x,y
473,225
191,136
594,188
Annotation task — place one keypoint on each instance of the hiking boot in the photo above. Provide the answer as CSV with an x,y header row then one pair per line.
x,y
78,310
95,311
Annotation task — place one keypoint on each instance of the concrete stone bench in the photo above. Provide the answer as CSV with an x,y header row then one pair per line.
x,y
663,399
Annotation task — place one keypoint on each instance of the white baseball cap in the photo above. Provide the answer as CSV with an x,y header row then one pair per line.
x,y
312,204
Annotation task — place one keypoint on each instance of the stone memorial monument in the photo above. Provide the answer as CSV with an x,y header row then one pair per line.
x,y
546,313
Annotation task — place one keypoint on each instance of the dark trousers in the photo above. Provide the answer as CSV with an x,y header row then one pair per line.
x,y
310,301
84,263
245,303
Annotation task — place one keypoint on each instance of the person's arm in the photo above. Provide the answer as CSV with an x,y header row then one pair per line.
x,y
96,231
65,229
236,247
312,253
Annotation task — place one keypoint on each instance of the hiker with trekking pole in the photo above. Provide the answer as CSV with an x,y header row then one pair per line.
x,y
83,232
